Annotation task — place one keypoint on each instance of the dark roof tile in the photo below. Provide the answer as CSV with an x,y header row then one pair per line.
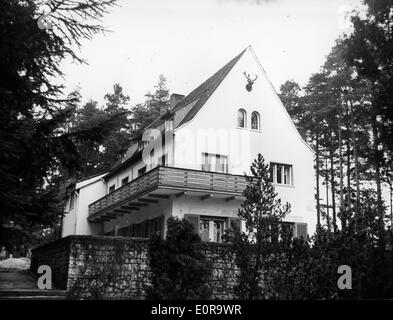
x,y
205,90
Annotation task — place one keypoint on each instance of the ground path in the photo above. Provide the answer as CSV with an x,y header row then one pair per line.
x,y
21,284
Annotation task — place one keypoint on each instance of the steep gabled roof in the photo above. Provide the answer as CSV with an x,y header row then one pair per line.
x,y
201,94
205,90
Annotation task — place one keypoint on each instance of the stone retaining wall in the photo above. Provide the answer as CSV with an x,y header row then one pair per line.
x,y
118,267
56,255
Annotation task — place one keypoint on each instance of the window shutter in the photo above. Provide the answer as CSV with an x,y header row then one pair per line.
x,y
301,230
194,220
234,223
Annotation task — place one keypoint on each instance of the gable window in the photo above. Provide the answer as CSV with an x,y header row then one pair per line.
x,y
141,171
281,173
242,118
124,181
214,162
255,121
112,188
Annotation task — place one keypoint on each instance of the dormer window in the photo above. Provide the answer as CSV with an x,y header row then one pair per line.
x,y
242,118
255,121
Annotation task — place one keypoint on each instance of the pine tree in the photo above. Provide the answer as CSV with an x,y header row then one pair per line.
x,y
262,214
147,112
34,144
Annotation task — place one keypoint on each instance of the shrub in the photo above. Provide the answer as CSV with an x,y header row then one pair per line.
x,y
179,267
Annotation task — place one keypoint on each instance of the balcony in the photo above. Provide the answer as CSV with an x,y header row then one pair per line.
x,y
161,183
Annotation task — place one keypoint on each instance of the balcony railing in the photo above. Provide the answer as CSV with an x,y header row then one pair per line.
x,y
175,179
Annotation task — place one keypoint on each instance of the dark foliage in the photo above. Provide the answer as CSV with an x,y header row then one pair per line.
x,y
179,267
33,144
274,265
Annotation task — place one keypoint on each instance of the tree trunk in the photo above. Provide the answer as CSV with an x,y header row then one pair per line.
x,y
317,180
348,174
349,198
355,155
377,166
340,163
391,203
327,194
332,185
85,164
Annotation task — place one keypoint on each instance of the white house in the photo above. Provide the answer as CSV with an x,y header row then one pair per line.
x,y
191,162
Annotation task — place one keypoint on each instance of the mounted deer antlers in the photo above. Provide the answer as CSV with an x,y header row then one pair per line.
x,y
249,81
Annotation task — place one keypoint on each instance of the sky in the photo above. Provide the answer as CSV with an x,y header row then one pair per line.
x,y
188,41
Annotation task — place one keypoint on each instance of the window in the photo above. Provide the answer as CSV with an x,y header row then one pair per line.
x,y
163,161
255,122
141,171
242,118
297,229
124,181
72,200
204,230
112,188
288,227
278,173
147,228
281,173
218,230
214,162
212,228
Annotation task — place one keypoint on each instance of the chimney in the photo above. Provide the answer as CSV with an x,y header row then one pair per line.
x,y
174,99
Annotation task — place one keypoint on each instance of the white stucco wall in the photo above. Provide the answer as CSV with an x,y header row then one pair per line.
x,y
69,219
88,195
278,139
75,221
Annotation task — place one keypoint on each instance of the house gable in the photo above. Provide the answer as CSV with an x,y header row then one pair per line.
x,y
208,89
277,138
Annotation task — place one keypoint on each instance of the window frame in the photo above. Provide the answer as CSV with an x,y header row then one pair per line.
x,y
125,180
256,113
211,166
273,168
142,169
244,115
110,190
72,201
211,220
